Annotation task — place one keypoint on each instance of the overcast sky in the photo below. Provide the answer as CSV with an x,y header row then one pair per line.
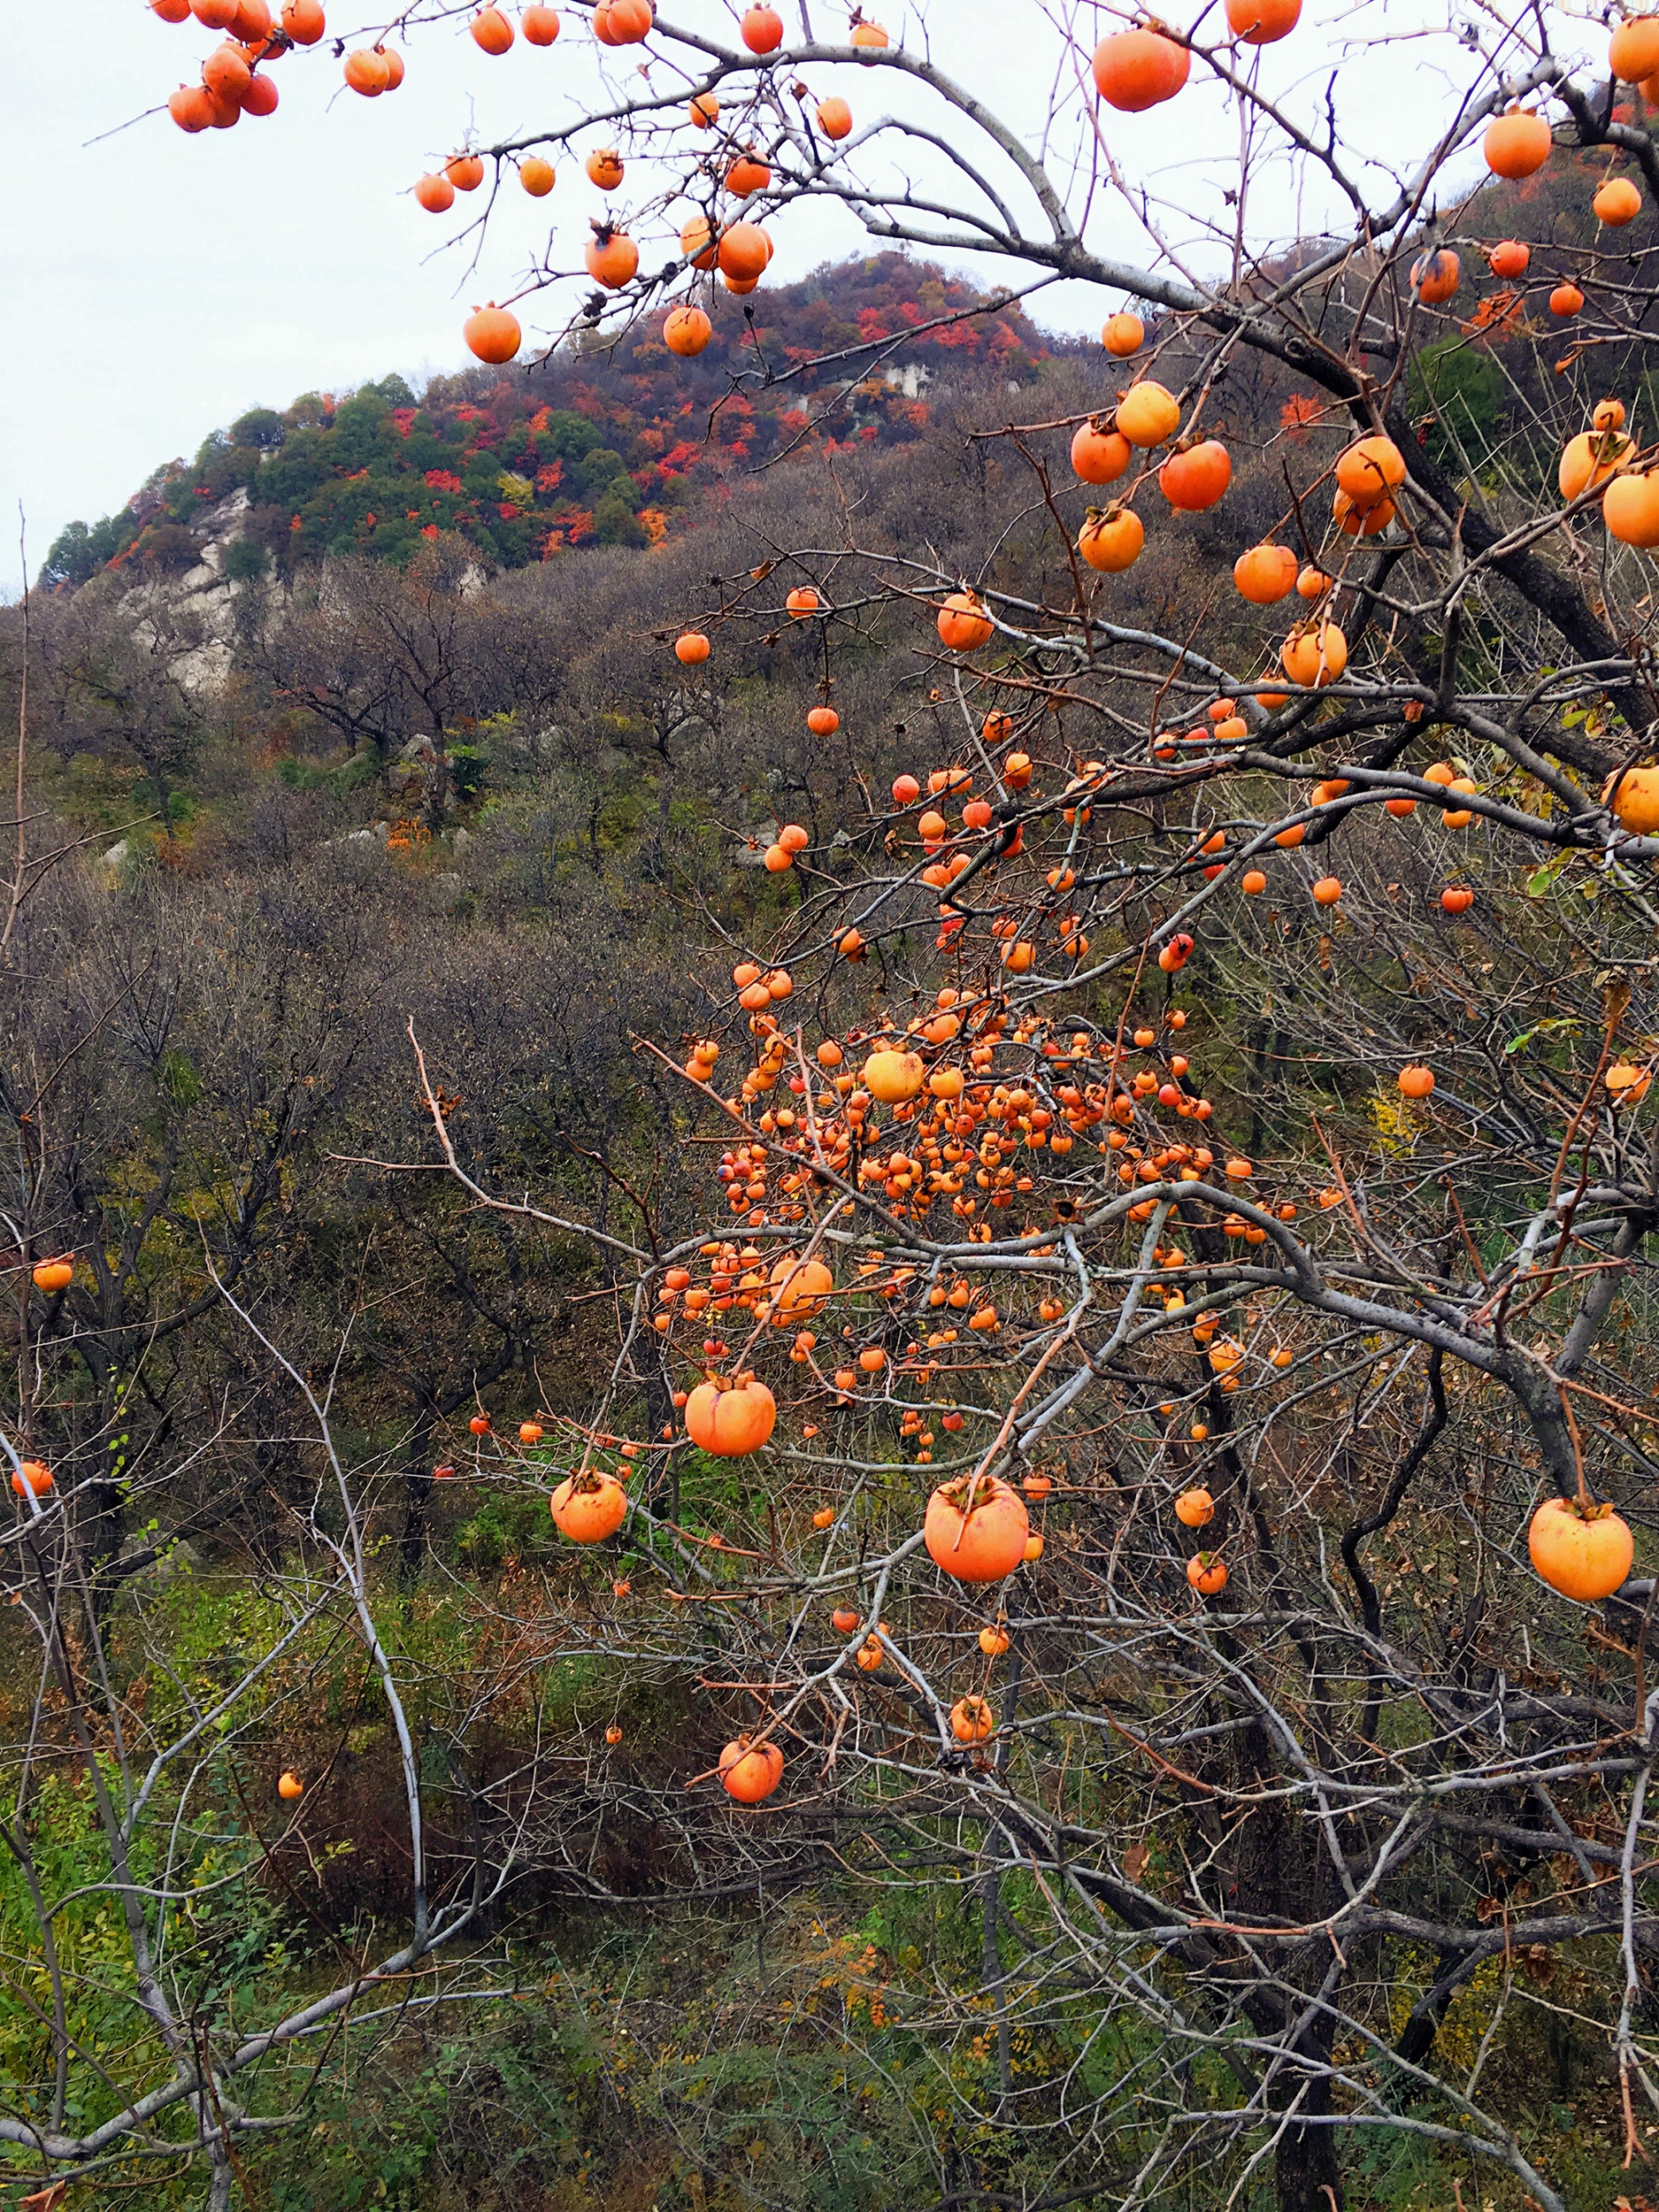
x,y
156,285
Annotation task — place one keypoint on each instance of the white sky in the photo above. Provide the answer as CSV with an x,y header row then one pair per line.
x,y
158,284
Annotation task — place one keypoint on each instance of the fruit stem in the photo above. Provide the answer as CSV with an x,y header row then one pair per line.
x,y
1586,1503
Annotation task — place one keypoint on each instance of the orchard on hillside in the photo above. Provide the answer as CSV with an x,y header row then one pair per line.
x,y
1162,1369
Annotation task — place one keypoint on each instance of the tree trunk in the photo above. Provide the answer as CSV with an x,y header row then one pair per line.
x,y
1305,2171
416,1498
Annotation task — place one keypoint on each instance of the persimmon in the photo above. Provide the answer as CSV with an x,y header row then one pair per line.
x,y
799,1288
1195,1507
746,176
1630,508
731,1419
1099,454
170,11
963,624
1370,470
1327,890
871,37
743,251
1195,477
434,193
762,30
750,1772
1565,301
1147,414
1457,898
604,167
696,242
975,1529
368,71
1583,1551
613,259
1207,1573
844,1619
225,73
491,30
1458,816
1616,203
289,1784
1315,655
893,1077
1138,69
304,21
1436,275
493,333
191,108
53,1275
623,22
1516,144
995,1639
1264,573
1628,1085
1360,522
704,111
1633,52
692,648
1123,335
686,332
1252,883
222,114
1634,798
466,172
32,1478
214,15
1415,1082
1590,458
588,1508
539,25
972,1720
1112,539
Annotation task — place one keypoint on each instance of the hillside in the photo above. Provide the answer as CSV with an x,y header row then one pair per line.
x,y
609,442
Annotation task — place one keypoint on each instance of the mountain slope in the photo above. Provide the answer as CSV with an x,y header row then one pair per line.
x,y
609,442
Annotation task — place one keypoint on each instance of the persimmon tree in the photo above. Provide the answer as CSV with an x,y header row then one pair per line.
x,y
1173,1282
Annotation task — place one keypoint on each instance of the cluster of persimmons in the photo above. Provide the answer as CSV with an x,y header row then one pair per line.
x,y
869,1174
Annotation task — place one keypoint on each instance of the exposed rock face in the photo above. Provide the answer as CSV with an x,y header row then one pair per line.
x,y
193,615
